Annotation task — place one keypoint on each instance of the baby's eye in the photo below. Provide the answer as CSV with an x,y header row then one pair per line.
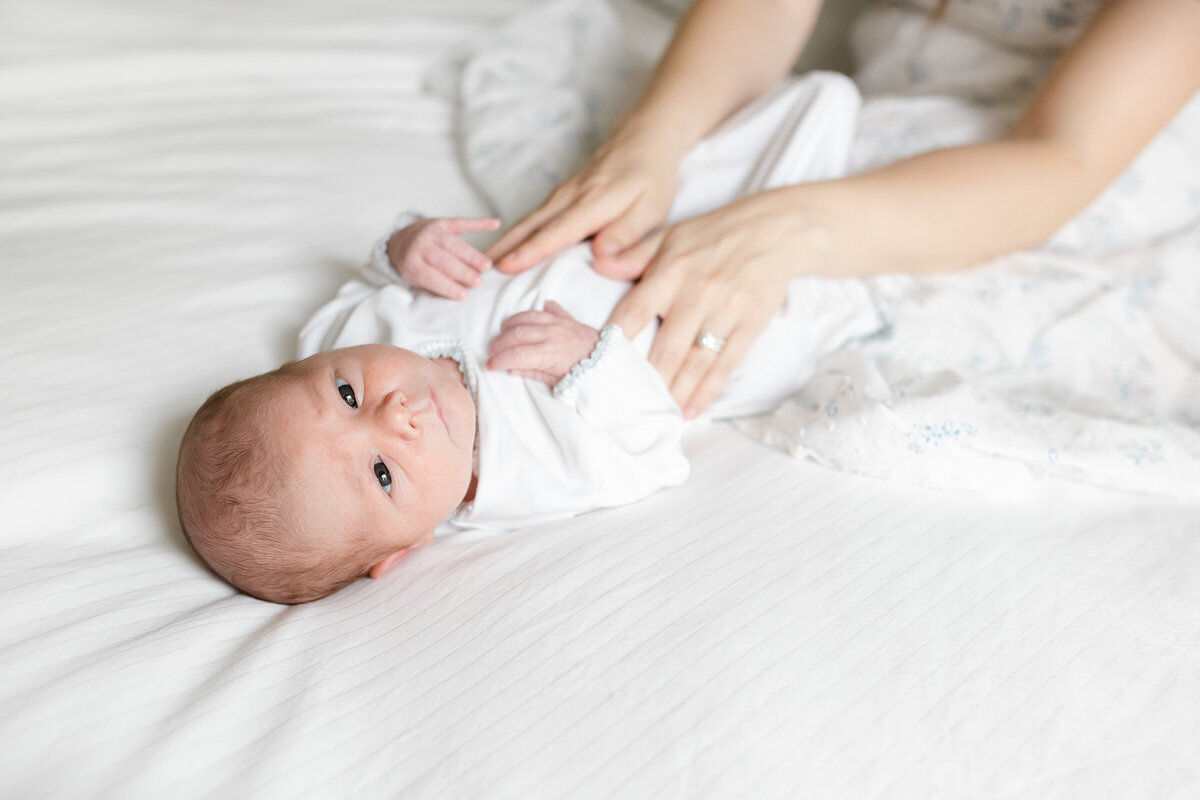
x,y
383,476
347,393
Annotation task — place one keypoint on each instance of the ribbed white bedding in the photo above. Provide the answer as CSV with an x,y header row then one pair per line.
x,y
181,185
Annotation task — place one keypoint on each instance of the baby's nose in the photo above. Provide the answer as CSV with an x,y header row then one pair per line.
x,y
396,414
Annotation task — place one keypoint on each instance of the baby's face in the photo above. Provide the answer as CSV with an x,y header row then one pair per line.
x,y
382,439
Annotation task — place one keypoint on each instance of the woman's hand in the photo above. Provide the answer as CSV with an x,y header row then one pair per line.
x,y
429,255
622,193
724,273
542,345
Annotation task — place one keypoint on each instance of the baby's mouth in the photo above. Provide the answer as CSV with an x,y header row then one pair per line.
x,y
438,407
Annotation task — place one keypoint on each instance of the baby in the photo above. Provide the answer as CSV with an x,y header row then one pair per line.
x,y
416,413
437,394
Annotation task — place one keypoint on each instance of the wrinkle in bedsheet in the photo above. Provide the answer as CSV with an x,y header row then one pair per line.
x,y
771,629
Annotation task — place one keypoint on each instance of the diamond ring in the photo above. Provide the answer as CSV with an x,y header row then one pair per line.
x,y
711,342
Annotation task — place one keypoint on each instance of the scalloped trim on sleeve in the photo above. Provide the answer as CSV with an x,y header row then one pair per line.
x,y
566,388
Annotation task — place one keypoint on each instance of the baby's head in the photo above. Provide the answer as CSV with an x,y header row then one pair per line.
x,y
292,484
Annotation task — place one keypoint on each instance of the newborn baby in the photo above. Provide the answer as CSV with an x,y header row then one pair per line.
x,y
438,394
294,483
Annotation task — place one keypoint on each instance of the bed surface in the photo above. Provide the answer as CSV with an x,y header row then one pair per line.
x,y
181,185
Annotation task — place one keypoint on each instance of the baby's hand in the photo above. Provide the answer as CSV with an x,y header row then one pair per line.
x,y
429,255
542,345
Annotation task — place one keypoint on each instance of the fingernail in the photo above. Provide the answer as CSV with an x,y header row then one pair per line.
x,y
689,412
606,248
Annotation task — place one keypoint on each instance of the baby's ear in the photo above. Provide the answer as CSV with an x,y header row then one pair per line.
x,y
385,566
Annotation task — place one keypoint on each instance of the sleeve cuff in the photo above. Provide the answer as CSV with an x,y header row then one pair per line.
x,y
567,388
378,264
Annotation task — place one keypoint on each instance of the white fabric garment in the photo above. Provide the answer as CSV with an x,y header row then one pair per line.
x,y
1071,359
1023,386
540,455
609,434
535,96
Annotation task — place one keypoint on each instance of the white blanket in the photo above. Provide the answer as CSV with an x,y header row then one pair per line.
x,y
181,185
1079,359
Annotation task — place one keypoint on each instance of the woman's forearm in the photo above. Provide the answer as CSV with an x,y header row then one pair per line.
x,y
942,210
724,54
1122,80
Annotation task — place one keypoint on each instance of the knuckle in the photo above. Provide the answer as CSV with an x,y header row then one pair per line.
x,y
672,354
675,264
691,370
713,285
592,192
639,309
563,190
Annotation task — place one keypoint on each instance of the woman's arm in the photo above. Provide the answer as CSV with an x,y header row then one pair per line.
x,y
1134,67
725,53
1130,71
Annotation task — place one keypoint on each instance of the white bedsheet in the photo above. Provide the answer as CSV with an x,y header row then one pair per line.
x,y
181,185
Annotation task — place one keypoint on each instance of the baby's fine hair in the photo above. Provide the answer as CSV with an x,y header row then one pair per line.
x,y
233,484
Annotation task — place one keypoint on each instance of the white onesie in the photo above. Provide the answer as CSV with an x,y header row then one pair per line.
x,y
609,433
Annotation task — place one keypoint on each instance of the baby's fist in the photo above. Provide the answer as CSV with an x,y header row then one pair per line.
x,y
429,255
542,345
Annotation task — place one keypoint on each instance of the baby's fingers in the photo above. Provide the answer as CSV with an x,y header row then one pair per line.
x,y
557,310
536,375
535,318
518,335
528,357
460,225
439,283
468,255
453,268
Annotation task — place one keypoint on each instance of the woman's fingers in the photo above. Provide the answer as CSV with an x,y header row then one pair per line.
x,y
559,200
632,262
571,226
676,336
706,390
520,231
627,229
642,303
704,372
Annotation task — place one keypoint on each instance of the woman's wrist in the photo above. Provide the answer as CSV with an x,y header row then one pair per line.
x,y
800,225
650,130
